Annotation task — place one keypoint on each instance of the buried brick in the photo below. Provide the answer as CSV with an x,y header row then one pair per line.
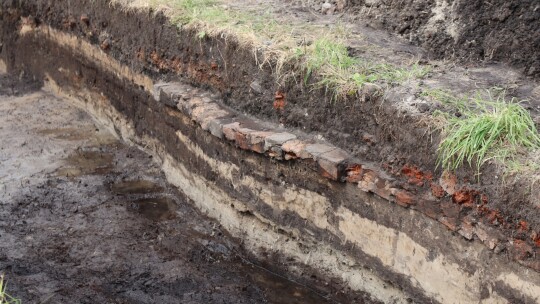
x,y
520,250
215,126
169,93
205,113
487,235
295,149
404,198
229,130
353,172
256,140
331,164
273,143
317,149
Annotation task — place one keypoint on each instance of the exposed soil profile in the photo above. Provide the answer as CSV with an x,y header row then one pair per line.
x,y
86,218
350,188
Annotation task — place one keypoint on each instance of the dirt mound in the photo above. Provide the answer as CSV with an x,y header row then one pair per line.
x,y
466,30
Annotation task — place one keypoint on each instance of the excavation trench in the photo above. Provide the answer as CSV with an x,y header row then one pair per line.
x,y
299,207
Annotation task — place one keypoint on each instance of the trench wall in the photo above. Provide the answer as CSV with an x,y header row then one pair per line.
x,y
279,193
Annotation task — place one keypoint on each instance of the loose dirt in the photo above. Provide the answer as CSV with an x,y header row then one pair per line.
x,y
85,218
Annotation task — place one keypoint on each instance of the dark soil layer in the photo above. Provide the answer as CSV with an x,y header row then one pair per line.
x,y
500,30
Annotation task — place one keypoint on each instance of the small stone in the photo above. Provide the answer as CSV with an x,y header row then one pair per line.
x,y
256,87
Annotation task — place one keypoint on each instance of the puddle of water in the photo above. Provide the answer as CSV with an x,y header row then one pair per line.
x,y
136,187
155,209
86,163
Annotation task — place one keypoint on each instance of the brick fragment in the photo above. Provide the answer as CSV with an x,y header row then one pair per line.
x,y
404,198
520,250
256,140
215,126
367,183
229,130
353,173
169,93
466,230
451,223
278,139
437,190
296,149
204,114
448,182
487,235
331,164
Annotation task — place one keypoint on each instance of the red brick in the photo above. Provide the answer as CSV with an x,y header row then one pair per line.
x,y
296,148
353,173
437,190
331,163
404,198
520,250
448,182
367,183
464,197
229,130
466,230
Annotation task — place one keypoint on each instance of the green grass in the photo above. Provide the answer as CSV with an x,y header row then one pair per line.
x,y
489,128
5,298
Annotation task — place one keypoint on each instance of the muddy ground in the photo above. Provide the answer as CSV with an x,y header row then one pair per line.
x,y
85,218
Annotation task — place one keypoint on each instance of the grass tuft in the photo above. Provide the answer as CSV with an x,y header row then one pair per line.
x,y
487,129
5,298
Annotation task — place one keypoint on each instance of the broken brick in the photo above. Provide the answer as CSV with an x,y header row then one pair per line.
x,y
448,182
404,198
331,164
520,250
464,197
466,230
487,235
278,139
229,130
256,140
367,183
295,148
437,190
353,173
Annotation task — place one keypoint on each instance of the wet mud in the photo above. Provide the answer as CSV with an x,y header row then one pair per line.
x,y
85,218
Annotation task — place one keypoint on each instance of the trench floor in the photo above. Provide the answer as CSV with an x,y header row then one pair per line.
x,y
85,218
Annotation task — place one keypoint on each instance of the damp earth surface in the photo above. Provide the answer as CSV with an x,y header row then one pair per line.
x,y
86,218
